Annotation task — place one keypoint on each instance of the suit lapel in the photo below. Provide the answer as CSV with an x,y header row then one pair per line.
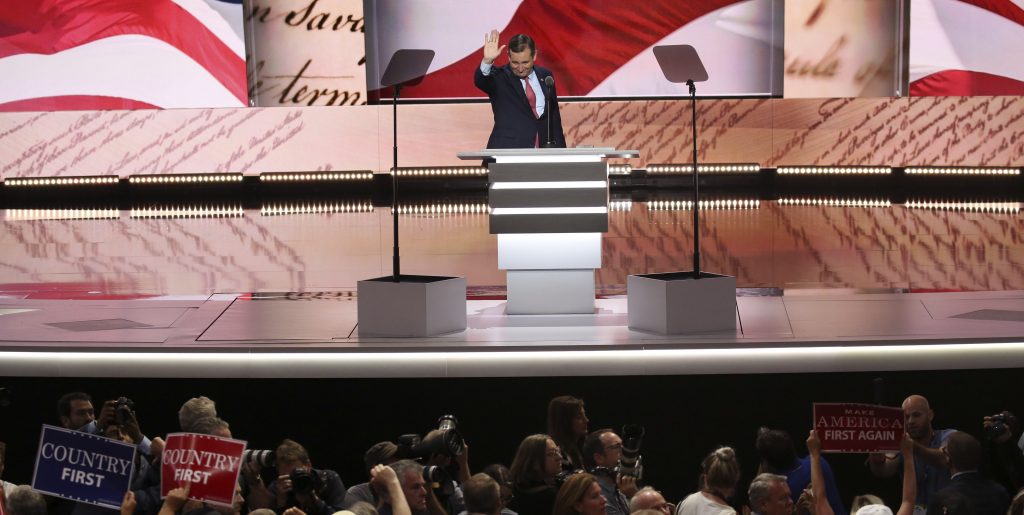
x,y
517,86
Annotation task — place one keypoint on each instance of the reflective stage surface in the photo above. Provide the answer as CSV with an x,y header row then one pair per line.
x,y
821,288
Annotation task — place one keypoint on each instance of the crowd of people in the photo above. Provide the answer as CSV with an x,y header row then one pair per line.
x,y
570,470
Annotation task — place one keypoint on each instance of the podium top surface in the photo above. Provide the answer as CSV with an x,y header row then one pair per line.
x,y
548,152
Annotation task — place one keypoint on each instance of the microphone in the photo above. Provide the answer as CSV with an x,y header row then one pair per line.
x,y
549,82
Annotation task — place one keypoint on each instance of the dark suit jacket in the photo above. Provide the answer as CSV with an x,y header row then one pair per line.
x,y
986,496
514,123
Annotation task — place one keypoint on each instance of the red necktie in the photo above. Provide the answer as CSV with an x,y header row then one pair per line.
x,y
531,97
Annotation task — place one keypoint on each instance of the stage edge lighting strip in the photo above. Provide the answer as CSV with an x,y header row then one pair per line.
x,y
249,364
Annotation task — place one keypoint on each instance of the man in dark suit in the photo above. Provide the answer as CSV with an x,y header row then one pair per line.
x,y
986,496
520,99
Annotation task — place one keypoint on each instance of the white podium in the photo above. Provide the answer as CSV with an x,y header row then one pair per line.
x,y
549,207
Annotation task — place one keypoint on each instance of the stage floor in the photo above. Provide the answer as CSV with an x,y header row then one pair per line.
x,y
317,336
822,288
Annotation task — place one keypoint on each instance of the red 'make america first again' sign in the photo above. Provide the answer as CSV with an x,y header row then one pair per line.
x,y
858,427
209,464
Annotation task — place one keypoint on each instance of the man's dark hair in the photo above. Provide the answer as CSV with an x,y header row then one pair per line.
x,y
521,42
593,445
379,453
964,451
481,494
290,450
776,449
64,403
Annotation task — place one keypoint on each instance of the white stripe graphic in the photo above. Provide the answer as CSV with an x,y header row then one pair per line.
x,y
720,36
216,23
130,66
952,35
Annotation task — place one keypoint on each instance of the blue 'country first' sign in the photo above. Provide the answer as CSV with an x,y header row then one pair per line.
x,y
83,467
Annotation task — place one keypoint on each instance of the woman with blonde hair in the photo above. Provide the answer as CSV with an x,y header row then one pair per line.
x,y
580,495
720,472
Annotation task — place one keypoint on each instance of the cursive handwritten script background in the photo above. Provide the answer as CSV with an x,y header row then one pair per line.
x,y
969,131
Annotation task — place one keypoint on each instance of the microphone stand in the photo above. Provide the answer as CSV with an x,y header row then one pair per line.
x,y
696,184
396,266
550,143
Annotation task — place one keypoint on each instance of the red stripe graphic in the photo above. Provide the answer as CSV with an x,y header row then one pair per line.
x,y
582,43
965,83
75,103
51,26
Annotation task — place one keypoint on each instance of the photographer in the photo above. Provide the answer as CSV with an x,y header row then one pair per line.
x,y
1001,431
602,450
380,453
298,484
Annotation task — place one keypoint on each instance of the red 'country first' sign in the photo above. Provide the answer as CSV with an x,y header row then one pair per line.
x,y
209,463
858,427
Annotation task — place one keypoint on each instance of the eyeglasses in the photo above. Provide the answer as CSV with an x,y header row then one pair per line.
x,y
615,447
554,454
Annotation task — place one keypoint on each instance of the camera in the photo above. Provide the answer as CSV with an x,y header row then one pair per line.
x,y
446,441
1001,423
123,408
260,457
434,475
631,463
305,481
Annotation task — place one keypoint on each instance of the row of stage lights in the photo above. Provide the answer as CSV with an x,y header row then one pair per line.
x,y
365,175
233,211
317,208
718,204
834,202
444,209
705,168
478,171
186,179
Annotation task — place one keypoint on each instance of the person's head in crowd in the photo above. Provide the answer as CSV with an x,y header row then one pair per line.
x,y
769,495
537,461
720,472
861,501
25,501
1017,504
380,453
918,415
75,410
873,509
775,447
500,474
580,495
215,426
948,502
567,425
964,452
647,511
647,499
195,409
359,508
410,474
482,495
602,448
263,511
290,455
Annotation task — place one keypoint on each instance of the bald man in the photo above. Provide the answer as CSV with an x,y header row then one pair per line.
x,y
930,460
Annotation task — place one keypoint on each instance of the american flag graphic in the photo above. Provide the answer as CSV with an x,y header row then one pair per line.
x,y
121,54
966,47
597,48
